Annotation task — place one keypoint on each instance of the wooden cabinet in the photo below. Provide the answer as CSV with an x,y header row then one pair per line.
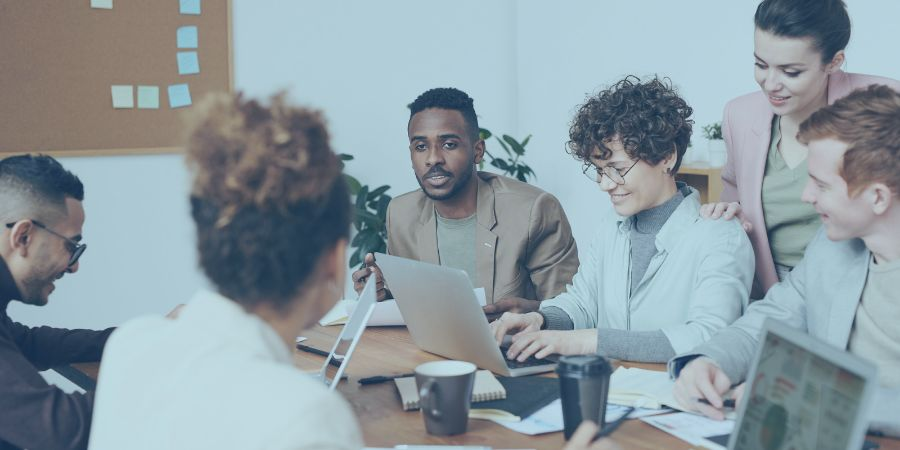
x,y
703,177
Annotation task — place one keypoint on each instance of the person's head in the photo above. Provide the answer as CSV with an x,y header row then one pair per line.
x,y
631,138
854,161
270,203
444,142
40,208
797,45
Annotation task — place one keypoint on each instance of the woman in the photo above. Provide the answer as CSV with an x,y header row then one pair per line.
x,y
272,213
658,280
798,49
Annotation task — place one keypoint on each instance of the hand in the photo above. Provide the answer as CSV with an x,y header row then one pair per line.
x,y
702,379
511,304
544,343
362,275
173,314
581,439
727,211
512,323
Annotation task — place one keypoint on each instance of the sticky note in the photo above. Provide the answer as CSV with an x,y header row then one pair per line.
x,y
187,37
188,63
189,7
179,96
148,97
101,4
123,96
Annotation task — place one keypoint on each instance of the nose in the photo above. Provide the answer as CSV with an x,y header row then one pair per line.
x,y
809,192
771,83
606,183
435,156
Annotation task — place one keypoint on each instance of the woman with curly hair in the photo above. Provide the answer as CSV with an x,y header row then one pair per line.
x,y
658,279
798,54
273,216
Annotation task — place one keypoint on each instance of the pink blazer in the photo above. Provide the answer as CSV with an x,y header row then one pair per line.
x,y
747,129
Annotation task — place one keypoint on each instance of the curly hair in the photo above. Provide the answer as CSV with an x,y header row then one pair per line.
x,y
649,118
267,196
448,98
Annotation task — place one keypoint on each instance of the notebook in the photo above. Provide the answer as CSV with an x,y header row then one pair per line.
x,y
524,396
486,388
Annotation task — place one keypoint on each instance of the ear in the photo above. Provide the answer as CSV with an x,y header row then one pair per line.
x,y
668,164
479,150
880,197
836,62
20,237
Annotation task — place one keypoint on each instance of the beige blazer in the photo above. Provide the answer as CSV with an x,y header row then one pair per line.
x,y
525,244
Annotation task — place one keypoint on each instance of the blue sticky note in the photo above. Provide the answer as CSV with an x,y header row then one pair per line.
x,y
189,7
122,96
148,97
188,63
187,37
179,96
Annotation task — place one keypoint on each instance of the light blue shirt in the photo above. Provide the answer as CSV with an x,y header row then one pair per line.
x,y
697,283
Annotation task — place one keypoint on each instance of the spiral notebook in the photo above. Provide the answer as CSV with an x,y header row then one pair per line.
x,y
486,388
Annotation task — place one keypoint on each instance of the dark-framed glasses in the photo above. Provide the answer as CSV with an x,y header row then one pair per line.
x,y
617,176
76,249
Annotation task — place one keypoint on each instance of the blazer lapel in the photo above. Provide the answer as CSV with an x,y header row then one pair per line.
x,y
485,239
427,239
762,130
846,289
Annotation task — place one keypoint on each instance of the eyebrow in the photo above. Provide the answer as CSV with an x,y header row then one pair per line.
x,y
795,65
818,180
441,136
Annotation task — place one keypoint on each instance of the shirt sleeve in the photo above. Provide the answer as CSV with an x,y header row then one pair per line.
x,y
45,347
581,299
630,345
552,258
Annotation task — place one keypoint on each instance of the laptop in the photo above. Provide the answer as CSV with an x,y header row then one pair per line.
x,y
802,393
442,314
350,335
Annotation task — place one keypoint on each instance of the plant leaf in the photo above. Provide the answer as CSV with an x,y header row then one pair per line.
x,y
361,198
352,183
377,192
525,141
484,133
500,164
514,144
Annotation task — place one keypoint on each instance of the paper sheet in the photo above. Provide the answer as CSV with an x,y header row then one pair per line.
x,y
188,64
191,7
549,419
122,96
642,388
148,97
179,96
187,37
692,428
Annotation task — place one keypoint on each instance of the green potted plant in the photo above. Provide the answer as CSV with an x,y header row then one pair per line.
x,y
715,144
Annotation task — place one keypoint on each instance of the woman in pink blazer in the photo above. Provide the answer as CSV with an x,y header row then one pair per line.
x,y
798,49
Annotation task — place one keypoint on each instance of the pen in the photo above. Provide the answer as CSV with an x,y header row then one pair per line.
x,y
334,362
382,378
610,427
727,403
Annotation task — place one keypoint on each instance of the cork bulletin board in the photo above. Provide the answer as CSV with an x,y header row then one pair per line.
x,y
96,77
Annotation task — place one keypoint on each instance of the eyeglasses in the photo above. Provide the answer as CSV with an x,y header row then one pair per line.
x,y
617,176
75,249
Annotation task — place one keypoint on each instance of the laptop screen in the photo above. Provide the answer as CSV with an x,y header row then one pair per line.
x,y
799,400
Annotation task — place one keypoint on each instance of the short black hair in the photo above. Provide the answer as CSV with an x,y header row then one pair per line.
x,y
650,118
43,175
448,98
825,22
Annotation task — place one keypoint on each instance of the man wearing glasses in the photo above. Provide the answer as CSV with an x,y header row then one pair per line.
x,y
658,279
40,205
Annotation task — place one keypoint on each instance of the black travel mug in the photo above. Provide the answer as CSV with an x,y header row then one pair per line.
x,y
583,388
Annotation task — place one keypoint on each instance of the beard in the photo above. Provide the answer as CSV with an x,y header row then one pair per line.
x,y
36,287
460,182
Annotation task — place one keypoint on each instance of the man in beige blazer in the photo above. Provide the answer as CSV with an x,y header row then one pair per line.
x,y
512,238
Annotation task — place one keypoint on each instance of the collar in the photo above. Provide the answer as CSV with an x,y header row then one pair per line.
x,y
484,209
685,215
8,289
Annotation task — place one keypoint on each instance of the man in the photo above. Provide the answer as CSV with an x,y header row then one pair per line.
x,y
40,205
511,238
845,290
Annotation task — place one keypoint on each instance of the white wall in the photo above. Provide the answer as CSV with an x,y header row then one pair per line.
x,y
526,63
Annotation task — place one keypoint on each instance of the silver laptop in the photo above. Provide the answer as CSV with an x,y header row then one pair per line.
x,y
443,316
350,335
803,393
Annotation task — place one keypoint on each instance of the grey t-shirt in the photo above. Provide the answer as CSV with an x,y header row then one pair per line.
x,y
456,244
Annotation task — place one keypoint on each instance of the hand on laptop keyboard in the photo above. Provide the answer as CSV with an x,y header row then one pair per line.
x,y
544,343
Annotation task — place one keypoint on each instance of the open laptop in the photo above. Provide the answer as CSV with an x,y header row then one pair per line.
x,y
443,316
350,334
802,393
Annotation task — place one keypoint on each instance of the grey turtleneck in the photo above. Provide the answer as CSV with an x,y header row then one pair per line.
x,y
644,346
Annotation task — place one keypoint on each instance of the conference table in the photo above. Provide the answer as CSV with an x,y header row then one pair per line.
x,y
384,423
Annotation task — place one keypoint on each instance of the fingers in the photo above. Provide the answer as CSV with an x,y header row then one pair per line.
x,y
369,260
738,395
718,210
583,436
527,344
700,380
731,210
499,328
359,278
706,209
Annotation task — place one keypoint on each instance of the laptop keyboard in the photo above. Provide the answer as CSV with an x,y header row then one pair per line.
x,y
530,362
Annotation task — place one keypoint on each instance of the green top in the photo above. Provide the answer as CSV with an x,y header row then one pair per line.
x,y
456,244
875,335
790,222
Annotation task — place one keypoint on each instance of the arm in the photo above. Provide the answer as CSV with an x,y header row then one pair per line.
x,y
552,257
629,345
35,414
581,299
45,347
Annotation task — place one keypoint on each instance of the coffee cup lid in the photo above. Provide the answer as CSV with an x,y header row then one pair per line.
x,y
584,365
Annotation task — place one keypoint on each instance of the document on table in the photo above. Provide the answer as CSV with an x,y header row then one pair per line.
x,y
549,419
693,428
385,314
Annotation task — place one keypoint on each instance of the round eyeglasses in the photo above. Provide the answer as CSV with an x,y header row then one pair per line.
x,y
596,174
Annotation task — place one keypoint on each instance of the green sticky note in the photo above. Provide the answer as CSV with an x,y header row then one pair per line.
x,y
187,37
123,96
148,97
179,96
188,63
